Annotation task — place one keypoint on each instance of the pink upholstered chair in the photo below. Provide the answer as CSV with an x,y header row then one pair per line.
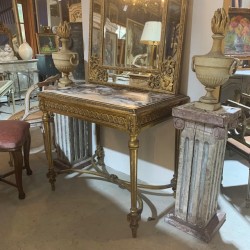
x,y
15,139
32,114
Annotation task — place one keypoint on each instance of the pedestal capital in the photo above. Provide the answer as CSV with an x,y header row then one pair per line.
x,y
224,117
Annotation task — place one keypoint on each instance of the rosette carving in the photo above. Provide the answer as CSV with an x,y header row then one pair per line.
x,y
164,80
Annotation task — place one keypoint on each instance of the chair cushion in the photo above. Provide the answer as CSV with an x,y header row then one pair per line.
x,y
13,134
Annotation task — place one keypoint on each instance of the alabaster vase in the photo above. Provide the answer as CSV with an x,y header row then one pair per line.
x,y
65,60
214,69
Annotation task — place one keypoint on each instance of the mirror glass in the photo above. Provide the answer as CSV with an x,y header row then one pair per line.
x,y
137,43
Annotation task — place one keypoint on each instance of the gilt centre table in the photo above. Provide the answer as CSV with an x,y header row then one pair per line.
x,y
114,107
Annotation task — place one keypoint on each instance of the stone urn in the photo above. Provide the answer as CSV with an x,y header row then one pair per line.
x,y
214,69
65,60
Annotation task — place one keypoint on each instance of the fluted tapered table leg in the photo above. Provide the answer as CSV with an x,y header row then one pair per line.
x,y
134,215
48,149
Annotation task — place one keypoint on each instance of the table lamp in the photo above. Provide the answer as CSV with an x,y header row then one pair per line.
x,y
151,35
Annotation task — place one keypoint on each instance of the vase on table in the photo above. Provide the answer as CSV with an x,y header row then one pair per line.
x,y
214,69
65,60
25,51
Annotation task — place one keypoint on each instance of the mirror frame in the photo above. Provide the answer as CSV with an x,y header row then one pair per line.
x,y
165,78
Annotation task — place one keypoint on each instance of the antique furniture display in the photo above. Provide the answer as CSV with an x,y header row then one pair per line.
x,y
238,138
202,148
23,72
15,139
7,88
111,99
203,129
32,114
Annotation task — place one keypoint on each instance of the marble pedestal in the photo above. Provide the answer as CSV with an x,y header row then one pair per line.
x,y
203,140
72,140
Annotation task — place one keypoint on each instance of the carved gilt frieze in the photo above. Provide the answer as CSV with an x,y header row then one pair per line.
x,y
97,73
165,79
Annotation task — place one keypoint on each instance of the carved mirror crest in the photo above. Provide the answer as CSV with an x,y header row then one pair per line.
x,y
137,43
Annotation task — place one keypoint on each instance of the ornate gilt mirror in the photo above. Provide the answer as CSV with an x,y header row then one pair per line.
x,y
137,43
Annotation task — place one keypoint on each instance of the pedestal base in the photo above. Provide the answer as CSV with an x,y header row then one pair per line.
x,y
204,233
64,82
207,106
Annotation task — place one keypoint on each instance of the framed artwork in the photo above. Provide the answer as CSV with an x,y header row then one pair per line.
x,y
4,39
133,45
237,38
110,49
5,36
46,43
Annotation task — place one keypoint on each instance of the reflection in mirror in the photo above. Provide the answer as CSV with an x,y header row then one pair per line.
x,y
172,28
137,43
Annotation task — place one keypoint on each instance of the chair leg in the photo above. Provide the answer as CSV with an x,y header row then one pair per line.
x,y
11,160
18,168
26,155
248,191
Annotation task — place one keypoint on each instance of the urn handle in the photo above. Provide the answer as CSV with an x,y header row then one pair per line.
x,y
234,66
74,60
193,65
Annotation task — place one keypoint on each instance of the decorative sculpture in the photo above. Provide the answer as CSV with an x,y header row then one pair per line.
x,y
65,60
214,69
7,54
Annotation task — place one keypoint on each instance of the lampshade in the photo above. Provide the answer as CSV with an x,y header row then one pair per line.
x,y
151,33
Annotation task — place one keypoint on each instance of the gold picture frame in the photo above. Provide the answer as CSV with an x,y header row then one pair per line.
x,y
46,43
237,38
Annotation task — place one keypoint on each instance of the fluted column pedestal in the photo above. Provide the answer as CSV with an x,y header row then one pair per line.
x,y
72,142
202,148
